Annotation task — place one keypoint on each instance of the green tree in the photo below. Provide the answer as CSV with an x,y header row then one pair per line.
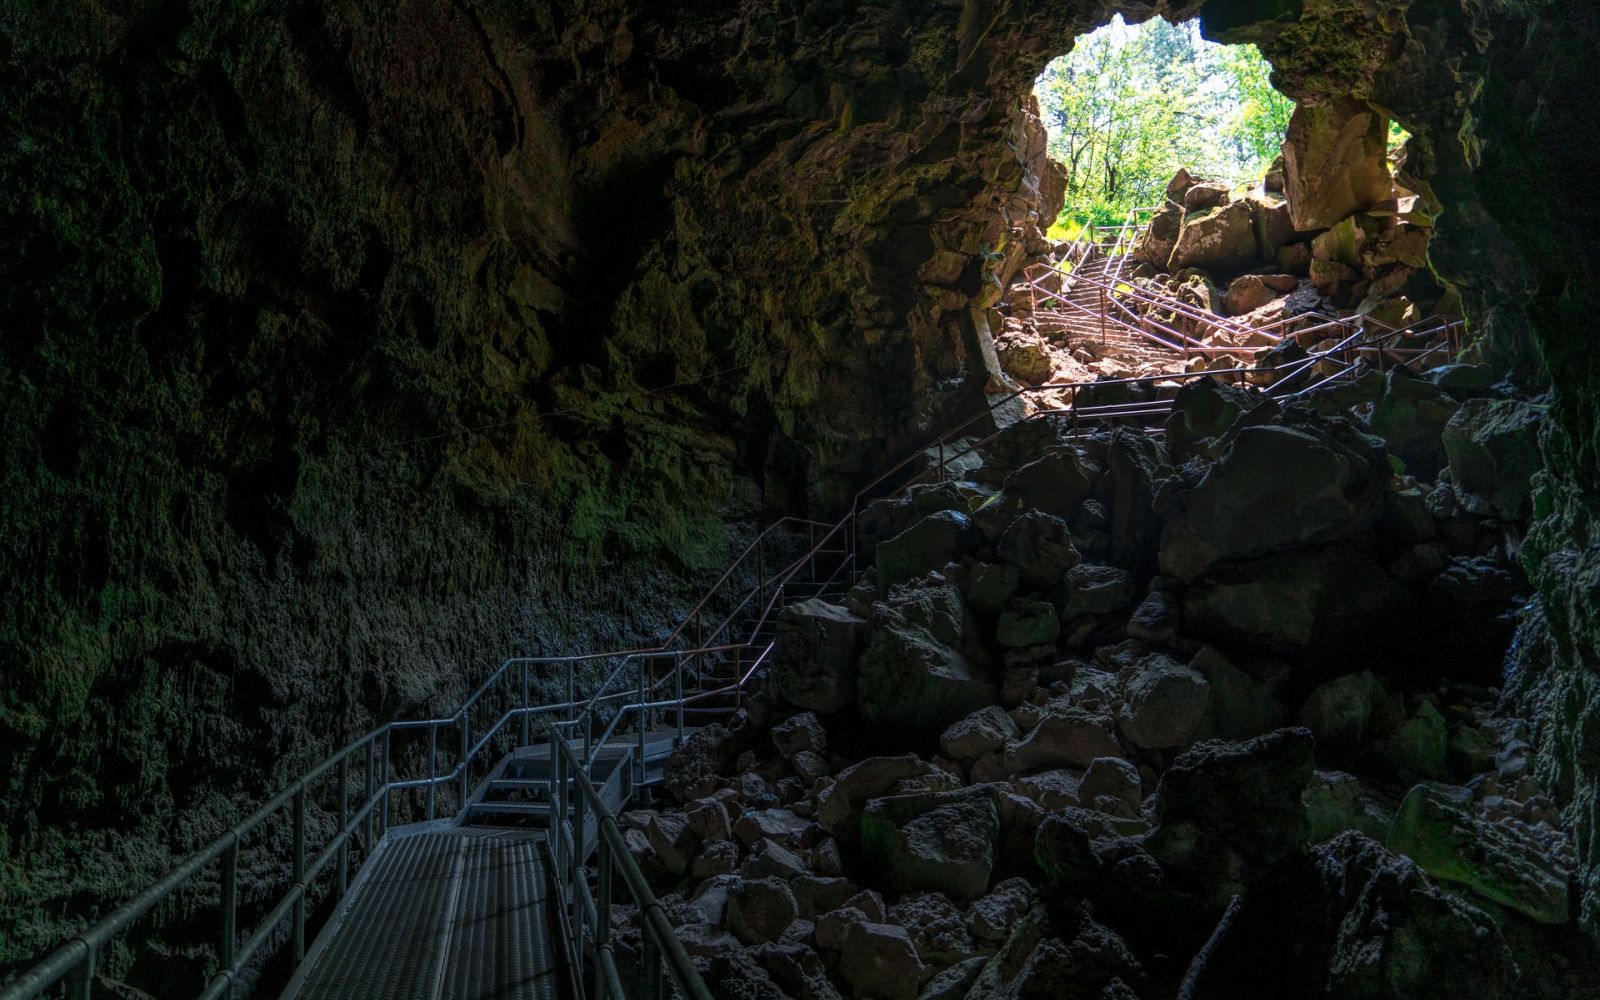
x,y
1131,104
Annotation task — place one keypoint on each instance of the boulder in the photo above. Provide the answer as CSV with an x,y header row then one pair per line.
x,y
1335,162
1028,622
1163,704
1240,706
760,910
987,730
1221,240
1227,813
1068,738
1026,358
1276,487
809,766
781,825
1493,446
1274,225
1203,409
1050,790
1054,484
1204,194
933,843
1411,416
880,962
1040,546
1503,859
1155,246
840,804
988,587
954,983
1343,713
795,969
927,545
814,660
1295,601
673,841
1335,803
911,682
799,732
993,916
1247,293
833,927
718,858
770,859
1114,778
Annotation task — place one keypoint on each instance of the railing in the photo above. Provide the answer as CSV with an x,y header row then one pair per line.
x,y
360,826
588,914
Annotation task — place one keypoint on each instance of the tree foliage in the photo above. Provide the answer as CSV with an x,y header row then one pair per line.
x,y
1131,104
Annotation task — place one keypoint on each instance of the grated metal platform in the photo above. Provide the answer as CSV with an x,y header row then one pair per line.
x,y
452,915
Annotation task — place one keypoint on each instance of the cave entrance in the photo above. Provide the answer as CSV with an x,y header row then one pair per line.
x,y
1192,217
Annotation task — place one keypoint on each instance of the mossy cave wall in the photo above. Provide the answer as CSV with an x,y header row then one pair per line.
x,y
350,347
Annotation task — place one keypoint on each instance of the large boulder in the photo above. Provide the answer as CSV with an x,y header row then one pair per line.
x,y
1134,464
1070,737
1493,447
1163,704
1241,705
1221,240
1227,813
1055,483
880,961
987,730
1092,591
913,678
1040,546
839,805
1335,159
1519,865
933,843
814,661
760,910
927,545
1329,598
1204,409
1411,416
1155,246
1275,488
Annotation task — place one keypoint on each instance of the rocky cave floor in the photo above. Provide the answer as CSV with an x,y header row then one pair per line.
x,y
1115,702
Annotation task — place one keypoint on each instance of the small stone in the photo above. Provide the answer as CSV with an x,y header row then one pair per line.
x,y
718,858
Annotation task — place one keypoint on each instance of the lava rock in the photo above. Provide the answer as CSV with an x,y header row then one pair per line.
x,y
814,662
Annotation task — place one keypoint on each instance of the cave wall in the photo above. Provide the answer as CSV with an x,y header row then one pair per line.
x,y
352,346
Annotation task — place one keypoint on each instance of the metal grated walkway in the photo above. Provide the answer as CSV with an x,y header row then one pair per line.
x,y
452,915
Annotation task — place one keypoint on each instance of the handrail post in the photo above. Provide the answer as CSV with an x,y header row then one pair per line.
x,y
385,784
572,701
372,788
466,725
230,908
525,703
679,694
433,769
85,988
344,820
941,459
300,873
650,966
644,715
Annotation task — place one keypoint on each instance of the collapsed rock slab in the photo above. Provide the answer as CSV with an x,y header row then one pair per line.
x,y
933,843
814,662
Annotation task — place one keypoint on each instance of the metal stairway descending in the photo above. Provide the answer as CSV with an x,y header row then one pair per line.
x,y
471,837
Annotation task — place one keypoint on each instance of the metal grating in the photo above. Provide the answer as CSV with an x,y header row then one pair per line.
x,y
456,915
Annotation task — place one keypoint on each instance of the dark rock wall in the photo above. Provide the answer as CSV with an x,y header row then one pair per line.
x,y
349,347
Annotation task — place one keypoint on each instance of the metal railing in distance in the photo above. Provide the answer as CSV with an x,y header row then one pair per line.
x,y
588,912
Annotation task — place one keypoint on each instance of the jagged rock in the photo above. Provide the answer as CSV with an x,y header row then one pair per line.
x,y
1221,240
927,545
799,732
1335,162
1163,704
1246,294
992,916
1342,713
987,730
1040,546
880,961
988,587
1077,959
704,940
1240,706
1494,452
796,969
770,859
737,976
1354,921
693,769
1503,859
1275,487
1028,622
1157,617
1203,409
672,840
1411,416
1096,591
943,842
717,858
709,819
1053,789
1134,462
911,680
1417,749
840,805
1156,245
1204,194
1053,484
1295,601
1025,358
1274,227
1069,738
1227,813
1111,777
814,661
760,910
810,766
1335,803
817,894
955,982
781,825
937,928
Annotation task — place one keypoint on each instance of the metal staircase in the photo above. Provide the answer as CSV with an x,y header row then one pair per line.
x,y
453,857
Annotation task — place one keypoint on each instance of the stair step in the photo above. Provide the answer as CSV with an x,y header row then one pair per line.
x,y
512,808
